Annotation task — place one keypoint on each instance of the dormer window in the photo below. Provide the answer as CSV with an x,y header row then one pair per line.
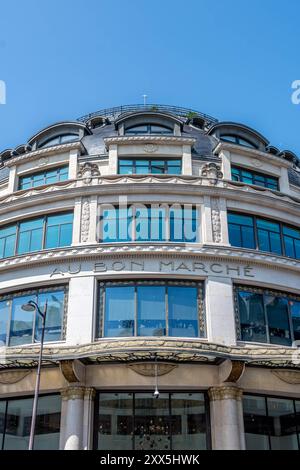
x,y
234,139
58,140
143,129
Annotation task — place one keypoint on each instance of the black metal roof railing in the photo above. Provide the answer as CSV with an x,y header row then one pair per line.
x,y
129,108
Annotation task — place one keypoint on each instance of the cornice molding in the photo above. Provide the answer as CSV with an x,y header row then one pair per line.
x,y
241,150
165,349
180,185
192,252
143,139
56,149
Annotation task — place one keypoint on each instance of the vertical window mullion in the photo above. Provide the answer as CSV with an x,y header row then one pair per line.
x,y
255,233
290,321
4,425
135,312
267,413
17,238
44,232
281,239
34,321
266,318
167,310
9,323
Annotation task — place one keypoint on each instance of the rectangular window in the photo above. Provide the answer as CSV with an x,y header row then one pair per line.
x,y
138,421
149,223
253,232
19,327
31,235
15,421
141,166
267,316
147,308
271,423
252,177
44,177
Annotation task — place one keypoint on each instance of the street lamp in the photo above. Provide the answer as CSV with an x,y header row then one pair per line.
x,y
32,306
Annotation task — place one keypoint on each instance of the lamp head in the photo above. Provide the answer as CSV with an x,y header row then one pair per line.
x,y
29,307
156,394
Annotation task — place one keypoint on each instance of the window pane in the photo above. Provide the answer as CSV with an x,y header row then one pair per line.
x,y
252,316
5,306
160,130
18,413
295,313
54,317
188,421
289,247
52,237
119,311
277,312
65,235
151,311
21,322
30,235
115,421
9,245
283,424
183,311
257,425
18,423
2,420
240,219
152,422
247,234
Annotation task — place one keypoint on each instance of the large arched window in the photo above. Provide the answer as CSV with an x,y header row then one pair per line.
x,y
58,140
142,129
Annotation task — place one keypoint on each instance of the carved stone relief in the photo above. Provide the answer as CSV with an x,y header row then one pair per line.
x,y
216,220
87,171
85,220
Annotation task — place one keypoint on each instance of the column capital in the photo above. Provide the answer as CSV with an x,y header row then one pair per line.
x,y
225,393
89,393
73,393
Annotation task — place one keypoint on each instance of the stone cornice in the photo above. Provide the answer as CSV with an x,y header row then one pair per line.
x,y
193,252
56,149
145,139
249,152
146,349
180,185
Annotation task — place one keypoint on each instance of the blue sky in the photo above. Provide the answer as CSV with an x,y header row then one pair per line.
x,y
233,59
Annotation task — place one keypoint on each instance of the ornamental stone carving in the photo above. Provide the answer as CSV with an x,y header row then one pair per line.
x,y
85,220
88,171
9,377
73,393
150,148
148,369
216,220
73,371
225,393
213,172
288,376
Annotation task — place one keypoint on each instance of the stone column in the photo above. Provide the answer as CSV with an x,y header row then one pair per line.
x,y
227,423
186,160
12,179
88,418
73,420
226,164
73,164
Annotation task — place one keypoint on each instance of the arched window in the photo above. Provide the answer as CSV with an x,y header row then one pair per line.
x,y
58,140
142,129
235,139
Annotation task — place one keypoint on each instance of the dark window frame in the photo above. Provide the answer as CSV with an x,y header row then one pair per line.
x,y
128,130
265,397
45,225
44,175
101,314
264,293
165,161
170,392
39,290
238,140
255,174
255,218
44,143
23,397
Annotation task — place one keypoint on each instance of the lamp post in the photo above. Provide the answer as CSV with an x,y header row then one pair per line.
x,y
32,306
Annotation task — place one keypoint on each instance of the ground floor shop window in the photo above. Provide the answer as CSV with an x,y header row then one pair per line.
x,y
15,421
271,423
174,421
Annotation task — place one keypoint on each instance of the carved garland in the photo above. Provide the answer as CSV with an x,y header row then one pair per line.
x,y
216,220
85,220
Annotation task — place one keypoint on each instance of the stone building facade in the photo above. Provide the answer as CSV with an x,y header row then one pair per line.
x,y
167,245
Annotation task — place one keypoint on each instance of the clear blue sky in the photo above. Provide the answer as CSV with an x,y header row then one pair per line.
x,y
233,59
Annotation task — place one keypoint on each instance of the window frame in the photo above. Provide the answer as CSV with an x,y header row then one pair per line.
x,y
150,161
265,397
44,174
45,225
101,300
237,141
44,143
264,293
254,174
149,125
39,290
255,218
